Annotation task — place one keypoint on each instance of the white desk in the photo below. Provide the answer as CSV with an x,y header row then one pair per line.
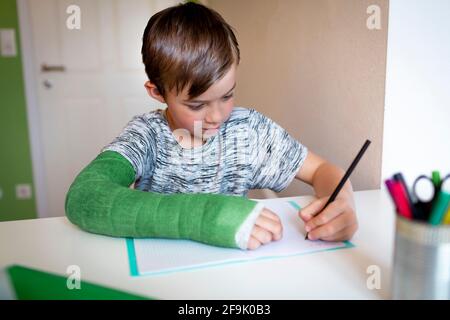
x,y
53,244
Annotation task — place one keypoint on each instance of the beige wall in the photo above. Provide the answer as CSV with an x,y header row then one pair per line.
x,y
316,69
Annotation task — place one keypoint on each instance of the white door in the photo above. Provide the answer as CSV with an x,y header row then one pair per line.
x,y
93,82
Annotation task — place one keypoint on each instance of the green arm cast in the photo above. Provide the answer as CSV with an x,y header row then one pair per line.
x,y
100,201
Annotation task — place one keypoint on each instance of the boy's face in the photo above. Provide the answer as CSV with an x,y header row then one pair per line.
x,y
207,111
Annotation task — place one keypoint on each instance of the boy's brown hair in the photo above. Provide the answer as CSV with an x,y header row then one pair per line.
x,y
188,45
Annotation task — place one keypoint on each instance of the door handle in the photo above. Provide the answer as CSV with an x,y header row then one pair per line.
x,y
49,68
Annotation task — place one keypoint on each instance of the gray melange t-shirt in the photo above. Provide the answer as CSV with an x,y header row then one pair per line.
x,y
250,151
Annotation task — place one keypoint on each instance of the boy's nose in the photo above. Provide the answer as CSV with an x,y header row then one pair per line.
x,y
213,117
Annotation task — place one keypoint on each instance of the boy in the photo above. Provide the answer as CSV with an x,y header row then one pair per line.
x,y
194,162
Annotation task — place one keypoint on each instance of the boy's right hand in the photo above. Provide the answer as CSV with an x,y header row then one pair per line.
x,y
267,228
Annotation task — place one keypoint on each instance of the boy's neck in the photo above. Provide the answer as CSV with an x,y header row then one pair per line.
x,y
195,142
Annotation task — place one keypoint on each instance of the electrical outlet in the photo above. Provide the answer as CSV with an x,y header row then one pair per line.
x,y
23,191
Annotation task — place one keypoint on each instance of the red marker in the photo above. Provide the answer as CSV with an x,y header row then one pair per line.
x,y
388,183
400,198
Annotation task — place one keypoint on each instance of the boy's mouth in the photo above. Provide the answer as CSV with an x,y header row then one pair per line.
x,y
211,128
210,131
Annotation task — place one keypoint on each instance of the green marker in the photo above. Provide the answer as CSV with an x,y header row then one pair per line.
x,y
441,204
436,177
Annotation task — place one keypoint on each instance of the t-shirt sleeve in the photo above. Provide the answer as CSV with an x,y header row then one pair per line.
x,y
275,156
136,143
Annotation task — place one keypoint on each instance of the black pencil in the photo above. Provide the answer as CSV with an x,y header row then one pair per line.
x,y
346,176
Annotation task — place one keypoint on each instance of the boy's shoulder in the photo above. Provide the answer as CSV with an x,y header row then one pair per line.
x,y
153,119
248,117
241,115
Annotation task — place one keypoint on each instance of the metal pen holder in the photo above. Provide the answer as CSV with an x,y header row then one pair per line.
x,y
421,261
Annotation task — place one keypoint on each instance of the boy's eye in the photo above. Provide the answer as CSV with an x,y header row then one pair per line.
x,y
227,97
196,107
199,106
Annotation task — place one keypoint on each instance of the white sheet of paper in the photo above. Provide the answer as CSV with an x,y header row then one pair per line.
x,y
165,255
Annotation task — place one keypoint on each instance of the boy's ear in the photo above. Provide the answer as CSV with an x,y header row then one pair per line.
x,y
153,91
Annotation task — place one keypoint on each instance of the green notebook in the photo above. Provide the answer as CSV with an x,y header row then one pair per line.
x,y
18,282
